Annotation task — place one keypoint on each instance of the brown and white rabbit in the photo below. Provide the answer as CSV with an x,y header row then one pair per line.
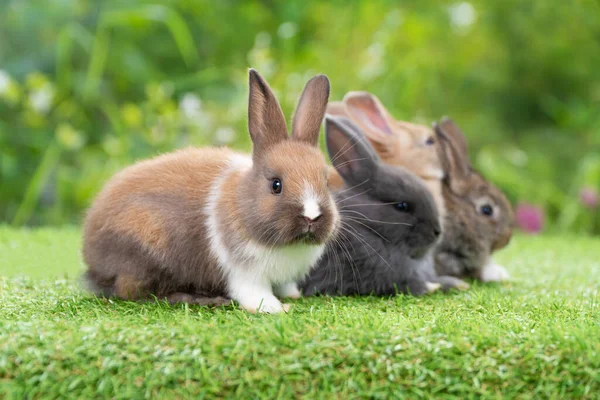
x,y
479,216
408,145
201,223
470,235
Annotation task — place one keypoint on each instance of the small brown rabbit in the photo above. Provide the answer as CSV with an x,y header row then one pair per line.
x,y
397,142
202,225
463,196
479,216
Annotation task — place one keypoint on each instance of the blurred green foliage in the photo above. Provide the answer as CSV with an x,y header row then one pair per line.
x,y
87,87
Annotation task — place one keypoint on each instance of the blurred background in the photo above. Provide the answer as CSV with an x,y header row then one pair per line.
x,y
88,87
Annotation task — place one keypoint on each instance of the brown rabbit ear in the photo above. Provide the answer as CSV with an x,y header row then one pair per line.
x,y
310,111
266,122
457,172
367,111
337,108
458,139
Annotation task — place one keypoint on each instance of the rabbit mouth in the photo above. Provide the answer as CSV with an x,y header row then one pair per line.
x,y
308,237
418,254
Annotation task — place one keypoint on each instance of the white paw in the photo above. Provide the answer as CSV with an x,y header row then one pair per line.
x,y
432,286
493,272
268,305
289,290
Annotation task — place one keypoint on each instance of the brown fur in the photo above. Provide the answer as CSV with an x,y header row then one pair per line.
x,y
147,232
169,193
396,142
469,237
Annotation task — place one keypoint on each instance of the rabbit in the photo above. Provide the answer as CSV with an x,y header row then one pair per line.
x,y
463,251
209,225
479,217
397,142
390,225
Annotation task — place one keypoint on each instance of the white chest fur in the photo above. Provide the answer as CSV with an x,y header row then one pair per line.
x,y
251,269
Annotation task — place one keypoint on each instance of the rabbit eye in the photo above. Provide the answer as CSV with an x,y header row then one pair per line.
x,y
430,141
401,206
276,186
486,209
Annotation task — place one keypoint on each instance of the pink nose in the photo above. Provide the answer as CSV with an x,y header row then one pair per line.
x,y
312,220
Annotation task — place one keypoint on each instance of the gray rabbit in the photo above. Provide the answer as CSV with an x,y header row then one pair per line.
x,y
390,225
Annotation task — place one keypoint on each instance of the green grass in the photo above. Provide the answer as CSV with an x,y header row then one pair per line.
x,y
538,336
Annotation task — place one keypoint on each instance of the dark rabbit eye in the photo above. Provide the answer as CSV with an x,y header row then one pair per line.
x,y
276,186
430,140
486,209
401,206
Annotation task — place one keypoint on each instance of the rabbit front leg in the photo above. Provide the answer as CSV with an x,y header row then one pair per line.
x,y
254,294
450,282
289,290
492,272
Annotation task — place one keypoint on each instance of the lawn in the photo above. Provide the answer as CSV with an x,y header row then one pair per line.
x,y
537,336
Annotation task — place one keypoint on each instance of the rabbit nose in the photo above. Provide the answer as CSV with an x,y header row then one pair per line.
x,y
310,220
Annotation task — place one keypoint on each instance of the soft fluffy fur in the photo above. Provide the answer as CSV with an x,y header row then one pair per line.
x,y
380,250
470,236
397,142
205,223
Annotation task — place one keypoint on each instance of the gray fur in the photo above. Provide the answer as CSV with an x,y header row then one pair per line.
x,y
379,249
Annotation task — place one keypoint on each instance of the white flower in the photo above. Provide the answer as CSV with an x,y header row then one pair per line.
x,y
225,135
462,15
191,106
4,81
41,99
287,30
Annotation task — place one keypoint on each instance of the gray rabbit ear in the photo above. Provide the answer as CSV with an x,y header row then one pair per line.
x,y
350,152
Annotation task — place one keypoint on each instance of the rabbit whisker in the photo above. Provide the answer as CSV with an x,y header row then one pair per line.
x,y
375,251
371,229
353,187
367,204
340,153
351,197
377,221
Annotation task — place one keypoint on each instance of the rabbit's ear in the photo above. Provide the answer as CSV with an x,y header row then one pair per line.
x,y
310,110
456,171
458,139
366,110
350,153
337,108
266,122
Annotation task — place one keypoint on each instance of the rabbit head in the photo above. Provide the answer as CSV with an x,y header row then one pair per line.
x,y
388,199
469,197
286,198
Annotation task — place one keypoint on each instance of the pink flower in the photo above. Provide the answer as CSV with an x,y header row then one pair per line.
x,y
529,218
589,197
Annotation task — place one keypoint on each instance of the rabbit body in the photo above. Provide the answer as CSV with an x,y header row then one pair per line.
x,y
210,223
390,225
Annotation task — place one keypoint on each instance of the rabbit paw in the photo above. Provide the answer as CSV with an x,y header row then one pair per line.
x,y
432,286
493,272
289,290
450,282
267,304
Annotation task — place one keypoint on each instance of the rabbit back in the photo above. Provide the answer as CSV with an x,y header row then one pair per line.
x,y
146,232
